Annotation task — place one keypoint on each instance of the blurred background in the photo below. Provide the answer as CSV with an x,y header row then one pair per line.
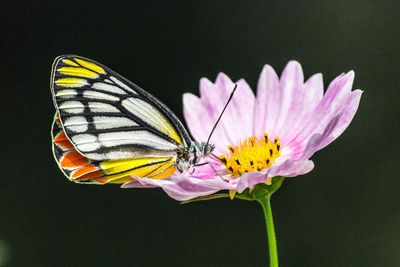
x,y
346,212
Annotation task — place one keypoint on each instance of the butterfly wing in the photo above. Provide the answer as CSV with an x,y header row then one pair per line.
x,y
81,169
107,128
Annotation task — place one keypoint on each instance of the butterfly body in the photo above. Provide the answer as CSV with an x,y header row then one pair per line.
x,y
109,130
191,155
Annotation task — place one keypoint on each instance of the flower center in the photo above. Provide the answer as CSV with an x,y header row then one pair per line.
x,y
252,154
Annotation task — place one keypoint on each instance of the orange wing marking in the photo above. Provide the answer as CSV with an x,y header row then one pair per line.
x,y
83,170
73,159
101,180
62,140
59,121
90,175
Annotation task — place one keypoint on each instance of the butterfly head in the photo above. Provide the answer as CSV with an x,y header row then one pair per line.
x,y
190,156
204,148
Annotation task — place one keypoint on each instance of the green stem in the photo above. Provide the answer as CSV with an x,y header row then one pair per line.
x,y
273,251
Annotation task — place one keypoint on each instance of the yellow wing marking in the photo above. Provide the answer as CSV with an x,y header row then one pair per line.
x,y
90,65
71,82
70,62
170,131
119,171
167,169
66,92
81,72
121,180
149,113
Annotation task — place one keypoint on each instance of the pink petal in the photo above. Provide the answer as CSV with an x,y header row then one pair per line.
x,y
332,102
184,188
237,121
250,179
311,95
243,104
317,139
214,98
348,113
290,168
314,87
198,118
208,90
137,184
293,94
267,102
238,117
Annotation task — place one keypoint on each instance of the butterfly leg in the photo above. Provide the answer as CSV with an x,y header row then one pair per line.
x,y
212,167
161,171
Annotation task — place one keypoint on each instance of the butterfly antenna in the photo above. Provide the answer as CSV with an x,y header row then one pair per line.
x,y
219,118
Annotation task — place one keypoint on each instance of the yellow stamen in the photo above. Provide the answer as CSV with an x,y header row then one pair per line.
x,y
232,193
253,154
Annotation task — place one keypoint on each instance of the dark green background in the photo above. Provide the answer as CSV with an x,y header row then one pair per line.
x,y
346,212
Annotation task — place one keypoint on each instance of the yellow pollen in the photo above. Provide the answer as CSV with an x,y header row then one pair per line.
x,y
252,154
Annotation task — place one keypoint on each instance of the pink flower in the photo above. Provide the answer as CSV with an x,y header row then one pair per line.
x,y
298,113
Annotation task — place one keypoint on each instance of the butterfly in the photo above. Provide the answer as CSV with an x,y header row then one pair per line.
x,y
107,129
